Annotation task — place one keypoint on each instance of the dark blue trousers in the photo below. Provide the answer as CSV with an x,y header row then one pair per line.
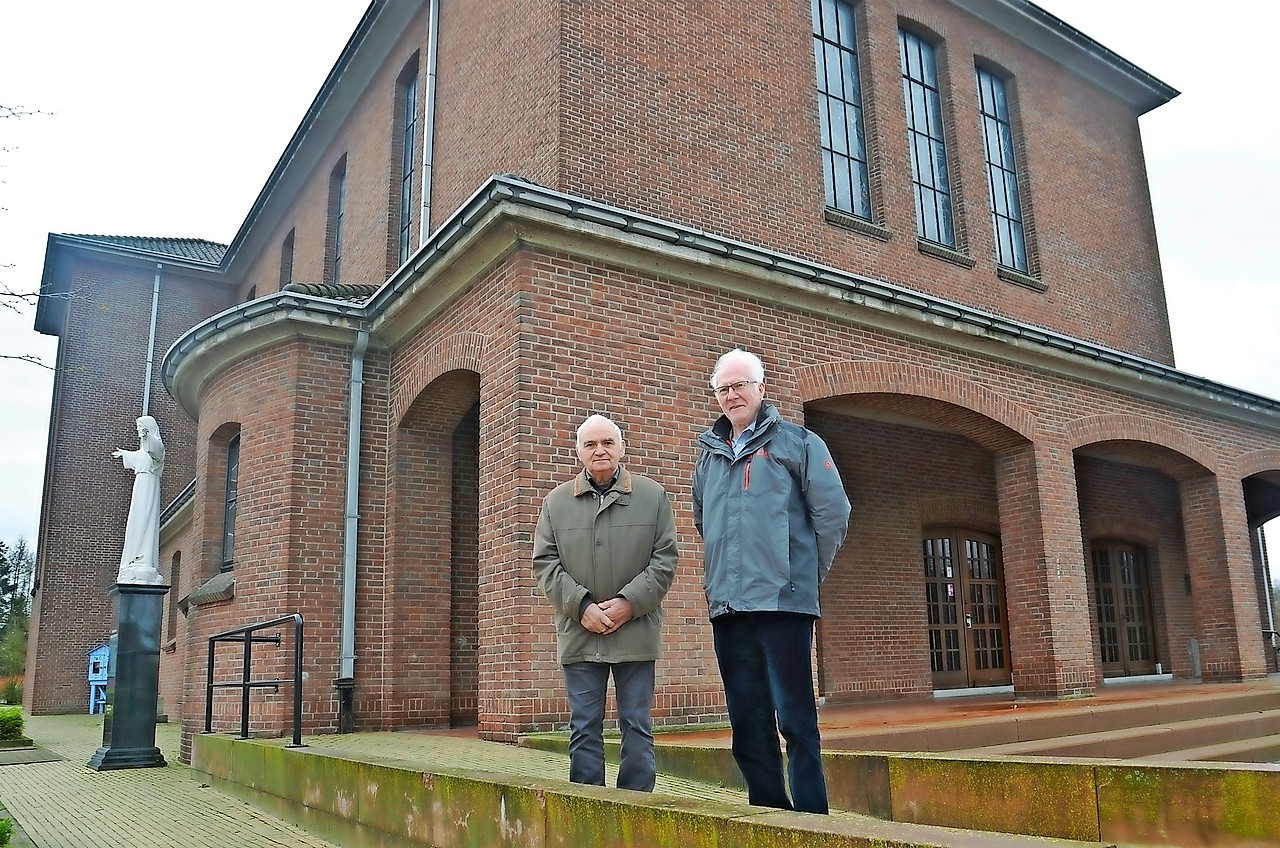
x,y
764,660
585,683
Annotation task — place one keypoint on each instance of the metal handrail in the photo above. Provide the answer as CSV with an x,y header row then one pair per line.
x,y
246,684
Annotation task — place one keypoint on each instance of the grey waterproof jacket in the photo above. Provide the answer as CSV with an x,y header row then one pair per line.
x,y
771,520
621,543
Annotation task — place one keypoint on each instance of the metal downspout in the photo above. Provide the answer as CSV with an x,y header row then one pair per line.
x,y
346,674
429,119
151,341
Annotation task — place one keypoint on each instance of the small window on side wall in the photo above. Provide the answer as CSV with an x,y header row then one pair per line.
x,y
229,504
175,577
337,221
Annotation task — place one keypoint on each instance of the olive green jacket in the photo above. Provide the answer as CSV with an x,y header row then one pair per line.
x,y
622,543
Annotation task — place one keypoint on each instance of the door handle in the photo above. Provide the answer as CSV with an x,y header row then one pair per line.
x,y
968,620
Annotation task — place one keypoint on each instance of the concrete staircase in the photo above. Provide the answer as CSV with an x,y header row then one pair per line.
x,y
1234,726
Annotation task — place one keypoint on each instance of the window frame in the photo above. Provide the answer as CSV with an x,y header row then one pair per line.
x,y
230,502
337,214
1008,217
926,128
407,101
845,161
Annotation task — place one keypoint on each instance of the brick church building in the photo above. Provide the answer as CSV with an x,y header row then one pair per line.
x,y
930,218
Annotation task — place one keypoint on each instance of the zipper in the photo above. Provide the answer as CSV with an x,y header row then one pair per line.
x,y
746,475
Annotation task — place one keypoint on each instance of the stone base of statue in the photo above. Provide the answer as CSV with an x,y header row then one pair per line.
x,y
133,681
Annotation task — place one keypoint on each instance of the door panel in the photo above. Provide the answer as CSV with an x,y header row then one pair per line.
x,y
964,604
1122,610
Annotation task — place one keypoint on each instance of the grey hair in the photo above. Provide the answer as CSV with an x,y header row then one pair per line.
x,y
739,355
598,417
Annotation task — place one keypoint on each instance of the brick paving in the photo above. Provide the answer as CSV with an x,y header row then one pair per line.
x,y
66,804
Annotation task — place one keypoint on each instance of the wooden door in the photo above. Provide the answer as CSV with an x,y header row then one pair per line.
x,y
1122,609
964,604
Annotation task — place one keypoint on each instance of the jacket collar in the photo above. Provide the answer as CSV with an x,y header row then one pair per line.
x,y
582,483
723,428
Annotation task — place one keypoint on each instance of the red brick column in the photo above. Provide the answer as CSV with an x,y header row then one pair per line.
x,y
1220,563
1044,572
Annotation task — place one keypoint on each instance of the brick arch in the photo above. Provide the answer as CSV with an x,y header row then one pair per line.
x,y
1258,462
854,377
1127,528
960,511
456,352
1135,428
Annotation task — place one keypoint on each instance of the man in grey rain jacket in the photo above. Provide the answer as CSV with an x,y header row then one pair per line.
x,y
772,512
604,554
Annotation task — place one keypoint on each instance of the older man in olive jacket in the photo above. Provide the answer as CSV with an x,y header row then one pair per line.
x,y
605,555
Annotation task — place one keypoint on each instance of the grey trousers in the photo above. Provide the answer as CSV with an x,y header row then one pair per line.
x,y
586,683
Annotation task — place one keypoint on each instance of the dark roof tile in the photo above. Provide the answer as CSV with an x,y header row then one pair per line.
x,y
350,291
196,250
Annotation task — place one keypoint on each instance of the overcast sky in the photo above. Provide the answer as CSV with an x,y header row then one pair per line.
x,y
163,118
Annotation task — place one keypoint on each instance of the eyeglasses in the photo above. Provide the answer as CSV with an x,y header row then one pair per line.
x,y
738,387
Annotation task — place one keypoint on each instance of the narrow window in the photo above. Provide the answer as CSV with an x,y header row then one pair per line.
x,y
175,574
1002,172
337,210
229,507
844,144
286,259
929,173
408,119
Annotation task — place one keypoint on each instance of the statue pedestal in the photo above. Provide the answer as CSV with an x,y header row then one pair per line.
x,y
129,729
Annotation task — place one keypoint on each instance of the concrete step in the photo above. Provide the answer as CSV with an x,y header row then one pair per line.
x,y
1262,749
1141,741
1039,720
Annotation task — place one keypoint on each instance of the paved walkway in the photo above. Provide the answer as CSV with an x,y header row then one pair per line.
x,y
66,804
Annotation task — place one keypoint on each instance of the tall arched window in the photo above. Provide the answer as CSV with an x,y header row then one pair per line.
x,y
407,133
232,492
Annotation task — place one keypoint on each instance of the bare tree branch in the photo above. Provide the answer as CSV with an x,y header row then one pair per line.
x,y
27,357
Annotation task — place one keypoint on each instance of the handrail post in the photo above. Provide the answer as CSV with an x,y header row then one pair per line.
x,y
297,680
244,684
208,695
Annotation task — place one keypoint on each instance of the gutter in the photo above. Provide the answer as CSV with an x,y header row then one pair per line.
x,y
151,342
429,119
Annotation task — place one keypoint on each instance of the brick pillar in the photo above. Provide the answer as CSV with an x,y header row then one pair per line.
x,y
1220,561
1044,572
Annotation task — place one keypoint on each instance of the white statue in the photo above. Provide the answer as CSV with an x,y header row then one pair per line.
x,y
141,555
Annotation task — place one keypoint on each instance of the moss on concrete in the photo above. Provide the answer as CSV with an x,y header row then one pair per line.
x,y
1033,798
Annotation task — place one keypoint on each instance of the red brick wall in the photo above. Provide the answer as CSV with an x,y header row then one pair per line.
x,y
542,341
173,633
290,407
97,396
707,115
